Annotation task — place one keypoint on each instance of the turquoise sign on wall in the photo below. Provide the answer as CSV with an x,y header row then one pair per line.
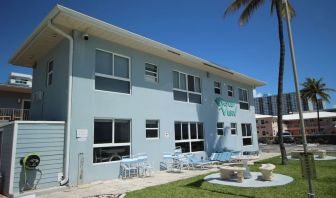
x,y
228,108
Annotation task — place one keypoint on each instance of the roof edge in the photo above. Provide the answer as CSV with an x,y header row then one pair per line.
x,y
59,8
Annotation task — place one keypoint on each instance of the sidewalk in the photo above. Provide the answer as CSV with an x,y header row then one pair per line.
x,y
122,186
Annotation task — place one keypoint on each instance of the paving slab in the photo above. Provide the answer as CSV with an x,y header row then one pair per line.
x,y
122,186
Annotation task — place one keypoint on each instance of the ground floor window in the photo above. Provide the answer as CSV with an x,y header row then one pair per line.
x,y
220,128
246,134
152,129
233,128
111,139
189,136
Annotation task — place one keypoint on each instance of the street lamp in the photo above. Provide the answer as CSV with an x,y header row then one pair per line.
x,y
298,97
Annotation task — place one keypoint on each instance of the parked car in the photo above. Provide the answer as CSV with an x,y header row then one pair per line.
x,y
287,138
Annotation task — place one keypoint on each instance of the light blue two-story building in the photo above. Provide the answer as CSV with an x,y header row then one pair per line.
x,y
120,93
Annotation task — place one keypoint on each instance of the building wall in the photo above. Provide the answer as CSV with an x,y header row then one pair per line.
x,y
53,104
12,99
147,101
6,156
327,126
268,127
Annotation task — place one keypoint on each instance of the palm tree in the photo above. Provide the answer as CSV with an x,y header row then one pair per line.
x,y
250,6
314,89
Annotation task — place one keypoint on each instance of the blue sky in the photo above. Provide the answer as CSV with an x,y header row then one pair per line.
x,y
198,27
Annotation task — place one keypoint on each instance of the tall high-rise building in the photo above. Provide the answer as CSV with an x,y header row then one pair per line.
x,y
267,105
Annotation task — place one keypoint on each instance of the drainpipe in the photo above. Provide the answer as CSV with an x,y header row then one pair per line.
x,y
67,132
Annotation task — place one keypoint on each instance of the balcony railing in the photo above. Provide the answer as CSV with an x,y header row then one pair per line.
x,y
14,114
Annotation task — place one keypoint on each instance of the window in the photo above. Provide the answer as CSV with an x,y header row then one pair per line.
x,y
243,99
112,72
233,128
50,72
230,91
220,128
262,122
246,134
152,129
189,136
21,81
111,140
264,133
217,87
151,72
186,88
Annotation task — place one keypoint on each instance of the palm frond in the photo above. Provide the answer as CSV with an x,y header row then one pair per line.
x,y
283,9
235,5
272,6
249,10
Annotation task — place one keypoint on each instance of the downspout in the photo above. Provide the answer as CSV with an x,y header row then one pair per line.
x,y
68,123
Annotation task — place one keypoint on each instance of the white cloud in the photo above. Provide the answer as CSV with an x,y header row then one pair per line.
x,y
256,94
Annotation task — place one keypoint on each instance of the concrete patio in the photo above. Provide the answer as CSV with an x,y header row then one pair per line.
x,y
122,186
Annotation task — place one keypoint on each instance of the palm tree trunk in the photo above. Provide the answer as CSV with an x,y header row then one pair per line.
x,y
284,160
318,116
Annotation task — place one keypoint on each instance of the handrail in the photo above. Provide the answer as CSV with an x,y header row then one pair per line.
x,y
14,114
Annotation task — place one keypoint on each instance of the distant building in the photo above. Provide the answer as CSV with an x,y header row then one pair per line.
x,y
15,97
267,105
19,79
267,125
327,123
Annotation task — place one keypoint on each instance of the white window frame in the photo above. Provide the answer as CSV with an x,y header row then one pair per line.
x,y
187,87
149,77
189,140
129,79
220,128
246,137
217,87
103,145
158,130
230,91
233,128
247,99
50,73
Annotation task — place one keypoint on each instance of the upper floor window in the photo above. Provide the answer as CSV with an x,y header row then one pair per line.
x,y
151,72
50,72
112,72
230,91
217,87
220,128
186,88
243,99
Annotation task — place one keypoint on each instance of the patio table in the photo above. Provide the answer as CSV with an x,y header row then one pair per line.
x,y
245,159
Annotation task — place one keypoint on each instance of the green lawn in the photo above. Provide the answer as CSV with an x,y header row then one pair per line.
x,y
325,184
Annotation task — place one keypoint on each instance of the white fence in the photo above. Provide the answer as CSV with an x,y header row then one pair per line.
x,y
14,114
